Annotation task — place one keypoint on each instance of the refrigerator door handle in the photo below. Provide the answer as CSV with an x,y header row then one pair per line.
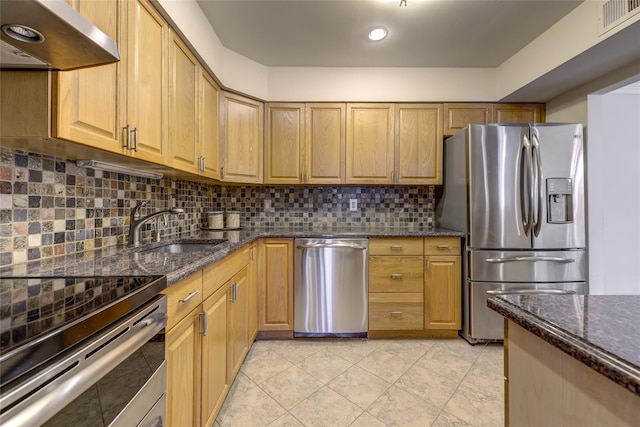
x,y
530,259
494,292
537,185
525,186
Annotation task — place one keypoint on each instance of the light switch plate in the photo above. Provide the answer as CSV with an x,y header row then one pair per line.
x,y
353,205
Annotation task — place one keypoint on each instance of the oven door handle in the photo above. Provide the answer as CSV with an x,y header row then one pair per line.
x,y
497,292
58,385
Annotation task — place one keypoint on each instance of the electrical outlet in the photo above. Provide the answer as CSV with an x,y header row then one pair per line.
x,y
267,205
353,205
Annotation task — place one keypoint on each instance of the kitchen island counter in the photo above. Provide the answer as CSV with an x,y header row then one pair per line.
x,y
574,358
123,260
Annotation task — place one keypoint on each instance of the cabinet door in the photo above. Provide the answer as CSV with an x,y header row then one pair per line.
x,y
518,113
182,352
276,285
183,119
208,136
284,144
238,320
324,150
443,287
457,116
370,144
87,100
146,79
215,382
418,158
242,135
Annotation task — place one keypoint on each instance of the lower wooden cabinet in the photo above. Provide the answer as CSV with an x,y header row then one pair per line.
x,y
238,297
415,287
275,303
182,352
206,346
215,382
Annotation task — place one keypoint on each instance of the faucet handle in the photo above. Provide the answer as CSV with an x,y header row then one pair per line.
x,y
135,211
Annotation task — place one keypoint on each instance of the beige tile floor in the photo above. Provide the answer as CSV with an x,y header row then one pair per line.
x,y
367,383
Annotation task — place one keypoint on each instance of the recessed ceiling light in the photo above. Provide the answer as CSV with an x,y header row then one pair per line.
x,y
377,33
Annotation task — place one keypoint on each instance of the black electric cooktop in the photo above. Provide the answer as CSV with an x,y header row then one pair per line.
x,y
41,317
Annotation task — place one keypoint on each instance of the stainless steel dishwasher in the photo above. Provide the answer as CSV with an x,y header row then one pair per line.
x,y
331,287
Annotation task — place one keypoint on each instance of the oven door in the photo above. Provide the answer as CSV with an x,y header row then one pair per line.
x,y
98,381
486,324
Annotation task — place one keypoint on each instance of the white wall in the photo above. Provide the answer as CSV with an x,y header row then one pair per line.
x,y
613,196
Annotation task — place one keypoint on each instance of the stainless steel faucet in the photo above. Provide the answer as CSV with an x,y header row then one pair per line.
x,y
136,222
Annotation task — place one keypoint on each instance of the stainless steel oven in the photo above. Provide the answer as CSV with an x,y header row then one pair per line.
x,y
88,354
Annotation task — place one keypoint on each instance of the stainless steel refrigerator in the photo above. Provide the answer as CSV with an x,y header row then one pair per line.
x,y
517,192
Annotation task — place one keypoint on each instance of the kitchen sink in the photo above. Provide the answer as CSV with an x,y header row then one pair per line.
x,y
183,247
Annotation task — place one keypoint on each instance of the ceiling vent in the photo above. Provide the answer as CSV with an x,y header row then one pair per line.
x,y
613,12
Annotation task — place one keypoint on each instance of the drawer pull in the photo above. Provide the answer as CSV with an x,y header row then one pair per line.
x,y
444,247
396,313
397,276
188,297
396,247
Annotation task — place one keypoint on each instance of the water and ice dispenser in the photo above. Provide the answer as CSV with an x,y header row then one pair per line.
x,y
559,200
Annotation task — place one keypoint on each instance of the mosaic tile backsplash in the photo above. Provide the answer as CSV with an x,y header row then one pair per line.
x,y
49,206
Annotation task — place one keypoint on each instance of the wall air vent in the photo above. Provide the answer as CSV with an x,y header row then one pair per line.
x,y
613,12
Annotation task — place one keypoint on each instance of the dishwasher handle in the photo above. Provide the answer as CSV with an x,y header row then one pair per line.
x,y
332,245
496,292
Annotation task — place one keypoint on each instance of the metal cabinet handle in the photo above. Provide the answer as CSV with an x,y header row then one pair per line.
x,y
222,172
127,129
443,247
397,276
135,139
396,247
188,297
204,163
428,265
396,313
252,253
204,323
306,177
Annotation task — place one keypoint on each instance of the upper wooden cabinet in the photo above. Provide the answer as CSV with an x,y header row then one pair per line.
x,y
208,136
518,113
183,105
394,144
459,115
304,143
418,148
144,65
241,139
284,146
370,144
120,108
87,107
193,114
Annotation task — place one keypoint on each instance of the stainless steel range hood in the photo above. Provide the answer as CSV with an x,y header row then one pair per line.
x,y
51,35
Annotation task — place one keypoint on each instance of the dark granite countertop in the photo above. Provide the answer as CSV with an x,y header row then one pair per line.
x,y
123,260
601,331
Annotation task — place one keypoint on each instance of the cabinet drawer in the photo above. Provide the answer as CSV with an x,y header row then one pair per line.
x,y
183,297
442,246
395,246
395,274
219,273
396,311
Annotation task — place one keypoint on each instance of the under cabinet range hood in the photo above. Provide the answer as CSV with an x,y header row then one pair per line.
x,y
51,35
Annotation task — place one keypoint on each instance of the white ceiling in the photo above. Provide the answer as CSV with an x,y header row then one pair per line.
x,y
425,33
